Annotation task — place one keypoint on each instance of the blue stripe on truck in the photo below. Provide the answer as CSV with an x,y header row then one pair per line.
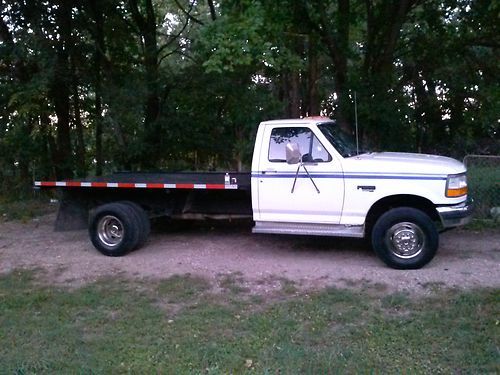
x,y
350,176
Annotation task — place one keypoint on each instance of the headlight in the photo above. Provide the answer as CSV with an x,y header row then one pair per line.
x,y
456,185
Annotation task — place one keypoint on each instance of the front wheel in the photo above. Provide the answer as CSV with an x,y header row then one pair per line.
x,y
405,238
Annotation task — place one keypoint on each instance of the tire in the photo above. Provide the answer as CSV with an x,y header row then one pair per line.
x,y
114,229
144,223
405,238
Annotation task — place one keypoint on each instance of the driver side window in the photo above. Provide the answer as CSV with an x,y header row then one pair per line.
x,y
310,147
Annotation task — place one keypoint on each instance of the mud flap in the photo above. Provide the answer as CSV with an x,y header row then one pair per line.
x,y
72,215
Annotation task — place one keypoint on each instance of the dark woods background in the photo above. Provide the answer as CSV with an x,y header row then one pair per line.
x,y
92,86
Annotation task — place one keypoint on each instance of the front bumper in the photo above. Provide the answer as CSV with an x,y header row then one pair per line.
x,y
456,215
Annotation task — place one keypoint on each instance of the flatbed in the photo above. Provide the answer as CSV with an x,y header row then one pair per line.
x,y
160,180
180,195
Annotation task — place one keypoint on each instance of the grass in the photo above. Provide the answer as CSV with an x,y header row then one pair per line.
x,y
25,209
484,187
482,224
183,288
233,283
122,326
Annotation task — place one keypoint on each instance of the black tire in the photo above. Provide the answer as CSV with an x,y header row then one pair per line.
x,y
405,238
144,223
114,229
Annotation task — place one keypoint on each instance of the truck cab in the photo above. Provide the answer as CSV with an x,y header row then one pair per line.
x,y
307,178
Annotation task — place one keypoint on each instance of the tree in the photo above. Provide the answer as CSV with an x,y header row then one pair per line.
x,y
148,84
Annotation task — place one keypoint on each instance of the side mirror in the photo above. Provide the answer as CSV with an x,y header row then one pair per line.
x,y
293,155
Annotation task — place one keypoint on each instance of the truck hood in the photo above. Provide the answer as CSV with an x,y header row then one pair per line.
x,y
404,163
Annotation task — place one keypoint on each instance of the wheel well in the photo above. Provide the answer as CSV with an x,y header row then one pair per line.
x,y
394,201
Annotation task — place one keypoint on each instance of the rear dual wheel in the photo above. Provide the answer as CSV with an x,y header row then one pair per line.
x,y
117,228
143,220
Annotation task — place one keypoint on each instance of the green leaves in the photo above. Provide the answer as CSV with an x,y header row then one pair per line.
x,y
251,34
425,78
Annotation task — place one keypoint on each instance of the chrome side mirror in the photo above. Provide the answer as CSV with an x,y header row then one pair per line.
x,y
293,155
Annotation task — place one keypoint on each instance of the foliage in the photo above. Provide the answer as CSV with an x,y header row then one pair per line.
x,y
179,326
483,176
29,208
95,86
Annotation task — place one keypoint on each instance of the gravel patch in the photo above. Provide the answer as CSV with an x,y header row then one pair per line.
x,y
466,259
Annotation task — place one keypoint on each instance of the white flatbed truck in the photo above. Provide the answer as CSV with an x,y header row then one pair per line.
x,y
307,178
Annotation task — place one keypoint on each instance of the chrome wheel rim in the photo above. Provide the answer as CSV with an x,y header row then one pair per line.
x,y
110,231
405,240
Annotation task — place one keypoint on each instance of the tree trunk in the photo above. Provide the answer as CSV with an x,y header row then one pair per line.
x,y
211,6
341,81
151,66
313,107
337,45
49,146
294,95
383,28
23,157
99,53
60,92
81,169
147,28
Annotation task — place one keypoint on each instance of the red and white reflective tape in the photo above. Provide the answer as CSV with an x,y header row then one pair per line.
x,y
134,185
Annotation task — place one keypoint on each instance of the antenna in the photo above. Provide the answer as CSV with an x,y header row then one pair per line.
x,y
356,122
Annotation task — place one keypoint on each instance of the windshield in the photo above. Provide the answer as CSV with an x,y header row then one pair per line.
x,y
343,142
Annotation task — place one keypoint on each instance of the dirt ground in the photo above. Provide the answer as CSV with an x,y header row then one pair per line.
x,y
466,259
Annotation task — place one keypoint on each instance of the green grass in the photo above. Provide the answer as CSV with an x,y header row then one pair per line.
x,y
482,224
183,288
26,209
484,187
120,326
232,283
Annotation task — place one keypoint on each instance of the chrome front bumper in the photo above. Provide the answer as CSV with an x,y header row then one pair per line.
x,y
456,215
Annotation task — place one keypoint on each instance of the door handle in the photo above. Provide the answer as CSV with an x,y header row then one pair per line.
x,y
366,188
269,170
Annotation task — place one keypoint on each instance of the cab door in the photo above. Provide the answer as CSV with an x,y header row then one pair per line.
x,y
318,193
